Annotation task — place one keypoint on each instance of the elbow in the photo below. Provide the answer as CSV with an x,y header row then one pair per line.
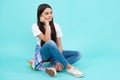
x,y
47,39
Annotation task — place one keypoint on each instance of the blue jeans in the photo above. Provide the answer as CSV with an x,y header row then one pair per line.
x,y
50,51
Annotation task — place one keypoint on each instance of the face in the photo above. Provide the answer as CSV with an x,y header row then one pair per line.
x,y
47,14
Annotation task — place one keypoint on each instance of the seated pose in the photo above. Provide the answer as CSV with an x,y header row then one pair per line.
x,y
49,47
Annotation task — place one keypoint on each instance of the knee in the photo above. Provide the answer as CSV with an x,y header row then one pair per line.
x,y
51,43
78,55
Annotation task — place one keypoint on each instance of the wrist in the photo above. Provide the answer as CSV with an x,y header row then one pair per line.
x,y
47,23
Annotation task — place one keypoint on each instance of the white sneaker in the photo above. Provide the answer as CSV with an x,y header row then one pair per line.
x,y
51,71
75,72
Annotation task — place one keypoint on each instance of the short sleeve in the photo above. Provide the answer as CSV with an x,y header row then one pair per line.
x,y
35,30
58,30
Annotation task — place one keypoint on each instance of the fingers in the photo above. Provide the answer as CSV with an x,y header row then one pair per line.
x,y
59,66
42,19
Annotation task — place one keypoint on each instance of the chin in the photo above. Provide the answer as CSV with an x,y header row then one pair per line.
x,y
50,20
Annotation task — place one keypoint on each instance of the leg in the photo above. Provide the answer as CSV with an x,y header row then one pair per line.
x,y
71,56
50,49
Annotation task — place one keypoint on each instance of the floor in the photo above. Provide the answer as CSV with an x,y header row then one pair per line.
x,y
93,30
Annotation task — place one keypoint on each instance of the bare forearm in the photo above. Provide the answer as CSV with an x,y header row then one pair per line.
x,y
59,44
60,48
47,32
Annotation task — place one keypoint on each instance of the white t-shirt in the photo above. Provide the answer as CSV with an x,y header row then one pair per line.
x,y
36,31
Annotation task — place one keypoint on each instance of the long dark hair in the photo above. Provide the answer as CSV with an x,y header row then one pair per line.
x,y
40,10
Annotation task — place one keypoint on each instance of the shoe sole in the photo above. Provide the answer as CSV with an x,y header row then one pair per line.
x,y
79,76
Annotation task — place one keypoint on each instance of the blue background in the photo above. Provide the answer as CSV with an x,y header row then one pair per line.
x,y
89,26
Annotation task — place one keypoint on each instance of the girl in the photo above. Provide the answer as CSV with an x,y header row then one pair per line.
x,y
49,45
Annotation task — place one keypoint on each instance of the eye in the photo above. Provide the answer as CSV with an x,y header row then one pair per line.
x,y
46,13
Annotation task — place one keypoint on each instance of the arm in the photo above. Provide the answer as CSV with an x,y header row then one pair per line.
x,y
45,37
59,44
59,66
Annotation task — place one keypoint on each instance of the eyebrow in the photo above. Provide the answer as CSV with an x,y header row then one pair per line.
x,y
49,12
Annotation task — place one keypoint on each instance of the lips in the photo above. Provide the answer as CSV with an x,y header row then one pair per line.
x,y
49,18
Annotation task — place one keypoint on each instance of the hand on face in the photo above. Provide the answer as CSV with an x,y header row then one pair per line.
x,y
42,19
46,15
